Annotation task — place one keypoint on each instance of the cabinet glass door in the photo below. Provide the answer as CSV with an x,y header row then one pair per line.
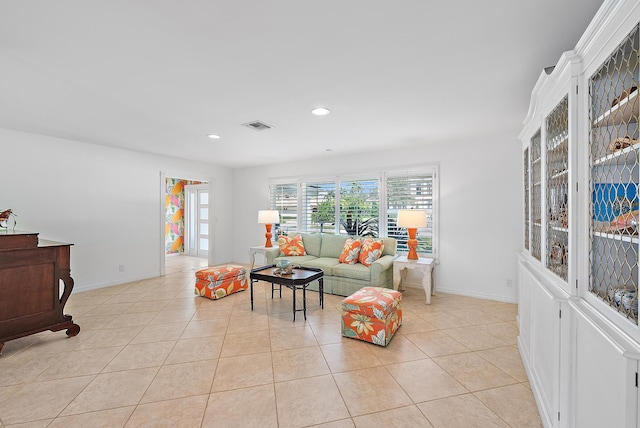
x,y
526,199
614,179
557,171
536,196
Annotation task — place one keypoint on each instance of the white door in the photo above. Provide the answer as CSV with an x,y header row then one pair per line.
x,y
197,220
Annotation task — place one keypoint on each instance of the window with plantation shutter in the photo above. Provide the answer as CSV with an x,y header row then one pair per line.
x,y
319,206
359,207
366,205
411,191
284,198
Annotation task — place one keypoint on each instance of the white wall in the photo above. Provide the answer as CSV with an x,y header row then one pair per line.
x,y
105,201
480,206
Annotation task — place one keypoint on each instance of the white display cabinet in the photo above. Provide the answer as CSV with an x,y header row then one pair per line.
x,y
578,271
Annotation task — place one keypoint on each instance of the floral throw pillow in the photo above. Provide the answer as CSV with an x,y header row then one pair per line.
x,y
350,251
371,250
291,246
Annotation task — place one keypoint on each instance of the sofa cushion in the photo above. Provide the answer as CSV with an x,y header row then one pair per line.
x,y
350,251
356,271
312,242
291,246
332,245
295,260
371,250
327,264
390,245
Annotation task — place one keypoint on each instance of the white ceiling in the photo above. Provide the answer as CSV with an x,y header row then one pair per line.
x,y
157,76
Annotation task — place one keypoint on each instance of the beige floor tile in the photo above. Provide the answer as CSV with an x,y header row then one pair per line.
x,y
140,355
191,302
342,423
323,316
442,320
284,320
242,408
182,412
475,316
131,320
22,369
196,349
309,401
88,323
327,333
246,343
160,333
406,417
462,411
298,363
262,351
112,390
112,418
474,372
370,390
124,298
144,306
205,328
80,363
436,343
290,338
506,331
349,354
507,359
181,380
474,338
413,323
424,380
173,316
514,403
400,349
34,424
109,309
55,343
205,312
41,400
110,337
243,371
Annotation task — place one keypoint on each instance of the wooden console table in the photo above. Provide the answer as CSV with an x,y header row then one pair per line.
x,y
35,284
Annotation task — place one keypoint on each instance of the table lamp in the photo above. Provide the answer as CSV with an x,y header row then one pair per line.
x,y
412,220
268,218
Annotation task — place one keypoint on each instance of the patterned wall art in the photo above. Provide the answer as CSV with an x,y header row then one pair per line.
x,y
174,225
174,204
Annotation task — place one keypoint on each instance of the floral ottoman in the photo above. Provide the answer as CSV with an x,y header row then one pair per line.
x,y
372,314
220,281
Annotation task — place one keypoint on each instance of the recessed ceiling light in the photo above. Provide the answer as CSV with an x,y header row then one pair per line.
x,y
320,111
214,136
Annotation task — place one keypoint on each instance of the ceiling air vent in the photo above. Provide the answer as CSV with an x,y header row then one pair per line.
x,y
257,125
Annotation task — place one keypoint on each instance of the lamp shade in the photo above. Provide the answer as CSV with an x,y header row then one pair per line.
x,y
412,218
268,216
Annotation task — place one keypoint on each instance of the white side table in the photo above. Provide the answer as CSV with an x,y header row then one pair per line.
x,y
257,250
402,265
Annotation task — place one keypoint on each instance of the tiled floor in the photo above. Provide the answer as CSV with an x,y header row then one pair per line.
x,y
151,354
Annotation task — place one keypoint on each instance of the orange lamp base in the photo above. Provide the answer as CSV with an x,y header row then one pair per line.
x,y
412,243
268,235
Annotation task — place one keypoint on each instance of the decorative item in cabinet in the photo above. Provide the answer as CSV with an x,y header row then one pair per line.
x,y
536,195
557,133
526,198
615,178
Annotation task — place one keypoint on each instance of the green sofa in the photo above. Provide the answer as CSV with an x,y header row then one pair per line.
x,y
323,250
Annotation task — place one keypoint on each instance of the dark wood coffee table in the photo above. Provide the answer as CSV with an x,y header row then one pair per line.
x,y
300,278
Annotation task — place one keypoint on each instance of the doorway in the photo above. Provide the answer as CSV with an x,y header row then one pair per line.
x,y
196,220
